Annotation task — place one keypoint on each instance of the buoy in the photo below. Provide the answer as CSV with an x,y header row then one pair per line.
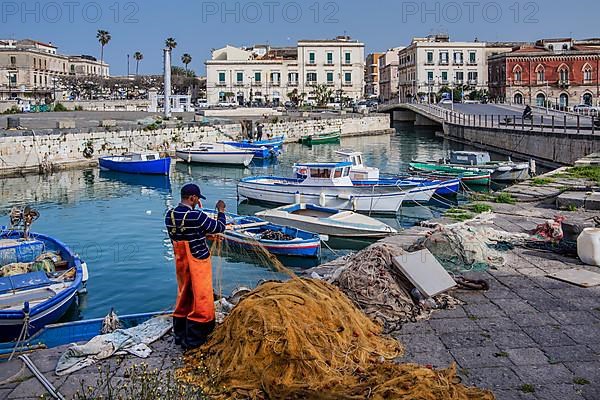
x,y
298,197
148,212
322,199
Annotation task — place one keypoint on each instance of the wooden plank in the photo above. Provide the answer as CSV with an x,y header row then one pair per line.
x,y
425,272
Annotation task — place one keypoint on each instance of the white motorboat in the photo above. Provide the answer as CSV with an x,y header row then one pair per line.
x,y
329,185
327,221
216,153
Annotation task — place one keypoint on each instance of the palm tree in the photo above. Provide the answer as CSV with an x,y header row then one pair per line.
x,y
103,37
170,43
186,59
137,56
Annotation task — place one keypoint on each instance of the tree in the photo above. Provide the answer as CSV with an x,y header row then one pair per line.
x,y
103,37
137,56
186,59
322,94
179,71
170,43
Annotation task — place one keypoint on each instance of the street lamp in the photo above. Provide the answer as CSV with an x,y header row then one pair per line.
x,y
9,77
54,80
251,84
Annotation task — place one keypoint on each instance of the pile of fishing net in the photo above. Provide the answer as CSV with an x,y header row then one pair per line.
x,y
303,339
464,247
371,281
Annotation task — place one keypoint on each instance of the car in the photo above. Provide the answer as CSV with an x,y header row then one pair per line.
x,y
586,109
290,105
445,101
226,104
202,104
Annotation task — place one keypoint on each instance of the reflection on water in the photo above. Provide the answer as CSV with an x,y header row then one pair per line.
x,y
115,221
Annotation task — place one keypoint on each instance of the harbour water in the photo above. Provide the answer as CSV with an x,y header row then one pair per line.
x,y
115,221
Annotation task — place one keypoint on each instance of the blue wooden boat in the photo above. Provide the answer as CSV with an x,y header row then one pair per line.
x,y
137,163
269,148
448,187
248,232
41,293
60,334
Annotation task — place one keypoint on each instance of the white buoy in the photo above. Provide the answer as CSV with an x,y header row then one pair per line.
x,y
148,212
322,199
298,197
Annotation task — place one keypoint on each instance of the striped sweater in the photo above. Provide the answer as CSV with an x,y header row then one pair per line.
x,y
185,224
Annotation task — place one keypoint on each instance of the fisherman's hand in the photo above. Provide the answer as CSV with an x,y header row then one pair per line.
x,y
220,207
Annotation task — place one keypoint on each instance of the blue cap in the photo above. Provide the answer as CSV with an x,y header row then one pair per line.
x,y
191,189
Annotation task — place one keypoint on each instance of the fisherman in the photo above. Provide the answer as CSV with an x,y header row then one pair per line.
x,y
194,315
259,131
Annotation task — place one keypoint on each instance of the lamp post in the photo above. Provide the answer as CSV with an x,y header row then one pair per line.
x,y
54,80
251,85
9,76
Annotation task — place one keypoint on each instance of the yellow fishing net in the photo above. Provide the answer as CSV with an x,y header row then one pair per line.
x,y
304,339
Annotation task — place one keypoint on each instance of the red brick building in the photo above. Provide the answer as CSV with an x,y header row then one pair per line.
x,y
564,72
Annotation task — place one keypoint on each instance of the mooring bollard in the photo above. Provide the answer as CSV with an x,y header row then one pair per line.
x,y
565,123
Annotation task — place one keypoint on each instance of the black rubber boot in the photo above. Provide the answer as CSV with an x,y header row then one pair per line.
x,y
179,330
197,333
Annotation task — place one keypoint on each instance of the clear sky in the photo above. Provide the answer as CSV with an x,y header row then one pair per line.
x,y
198,25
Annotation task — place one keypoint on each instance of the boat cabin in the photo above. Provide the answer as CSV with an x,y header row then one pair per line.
x,y
469,157
358,172
325,174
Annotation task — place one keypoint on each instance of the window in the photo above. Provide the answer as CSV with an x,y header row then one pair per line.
x,y
472,76
293,77
239,77
348,77
460,76
329,57
257,77
518,74
45,80
35,79
458,58
275,77
311,57
430,76
348,58
444,76
444,57
587,74
329,77
222,78
540,100
541,75
564,74
338,173
472,57
311,77
430,57
73,68
320,173
13,60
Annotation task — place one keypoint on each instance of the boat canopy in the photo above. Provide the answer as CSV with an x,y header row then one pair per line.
x,y
355,157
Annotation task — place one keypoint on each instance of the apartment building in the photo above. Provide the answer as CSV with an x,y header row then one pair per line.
x,y
268,75
372,75
432,63
388,74
559,72
32,69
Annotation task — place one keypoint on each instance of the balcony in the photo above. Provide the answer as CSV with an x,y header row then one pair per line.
x,y
444,81
311,83
457,62
293,83
458,81
239,84
328,63
330,83
444,62
257,83
346,83
275,83
472,82
564,83
472,62
311,62
429,62
221,84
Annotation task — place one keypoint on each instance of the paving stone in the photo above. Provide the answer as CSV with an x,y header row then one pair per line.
x,y
416,328
517,282
31,388
570,353
559,392
550,304
473,357
595,347
470,297
45,362
527,356
499,293
515,339
549,283
589,370
549,336
74,384
428,342
533,293
583,334
493,378
484,310
590,392
537,319
4,393
585,303
453,325
518,305
543,374
501,323
531,271
13,371
573,317
466,339
572,293
513,395
458,312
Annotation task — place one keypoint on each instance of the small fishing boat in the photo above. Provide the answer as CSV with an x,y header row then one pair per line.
x,y
321,138
251,232
259,151
468,176
54,335
40,278
500,171
216,153
327,221
329,185
137,163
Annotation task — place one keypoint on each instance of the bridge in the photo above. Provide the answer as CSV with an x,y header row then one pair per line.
x,y
552,138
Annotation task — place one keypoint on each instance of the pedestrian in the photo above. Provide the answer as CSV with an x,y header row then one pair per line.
x,y
259,131
194,315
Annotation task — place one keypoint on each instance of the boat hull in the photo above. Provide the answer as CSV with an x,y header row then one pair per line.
x,y
342,198
443,172
152,167
321,139
229,158
307,248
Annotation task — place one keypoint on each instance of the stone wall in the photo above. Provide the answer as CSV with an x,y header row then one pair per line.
x,y
550,149
26,152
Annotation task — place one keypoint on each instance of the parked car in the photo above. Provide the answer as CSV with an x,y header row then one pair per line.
x,y
585,109
445,101
361,106
202,104
290,105
226,104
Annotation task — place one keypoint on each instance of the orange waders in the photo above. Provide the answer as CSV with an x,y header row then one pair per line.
x,y
194,315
